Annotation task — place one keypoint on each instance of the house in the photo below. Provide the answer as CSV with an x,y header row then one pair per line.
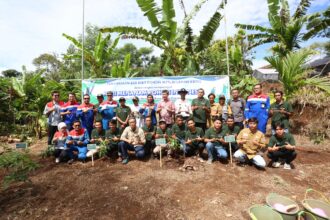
x,y
265,73
320,65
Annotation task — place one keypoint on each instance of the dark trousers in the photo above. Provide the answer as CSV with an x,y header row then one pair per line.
x,y
124,146
149,146
201,125
51,131
287,155
62,154
190,149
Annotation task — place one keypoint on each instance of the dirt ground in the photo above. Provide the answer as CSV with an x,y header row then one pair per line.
x,y
143,190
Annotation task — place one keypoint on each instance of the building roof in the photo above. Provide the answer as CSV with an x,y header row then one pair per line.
x,y
267,71
319,62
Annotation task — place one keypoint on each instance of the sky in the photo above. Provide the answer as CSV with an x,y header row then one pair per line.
x,y
29,28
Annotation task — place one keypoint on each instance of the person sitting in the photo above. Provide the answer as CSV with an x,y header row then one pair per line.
x,y
97,136
162,132
194,140
61,153
179,131
281,147
112,135
251,141
132,138
149,131
214,141
77,142
229,128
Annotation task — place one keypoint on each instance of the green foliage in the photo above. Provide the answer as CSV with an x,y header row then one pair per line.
x,y
173,144
48,152
294,75
123,70
11,73
103,149
244,85
17,165
285,30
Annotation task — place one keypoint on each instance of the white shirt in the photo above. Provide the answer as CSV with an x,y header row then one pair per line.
x,y
138,116
182,107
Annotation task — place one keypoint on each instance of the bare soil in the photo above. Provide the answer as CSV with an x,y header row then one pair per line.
x,y
143,190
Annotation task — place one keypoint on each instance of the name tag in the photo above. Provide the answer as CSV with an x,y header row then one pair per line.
x,y
91,146
21,145
230,138
160,141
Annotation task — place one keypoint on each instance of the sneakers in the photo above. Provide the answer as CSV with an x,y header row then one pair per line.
x,y
119,159
200,159
209,161
125,161
276,164
57,160
287,166
70,161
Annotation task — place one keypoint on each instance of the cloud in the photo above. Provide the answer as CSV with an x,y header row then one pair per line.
x,y
32,27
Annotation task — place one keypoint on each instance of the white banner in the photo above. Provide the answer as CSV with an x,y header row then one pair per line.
x,y
142,86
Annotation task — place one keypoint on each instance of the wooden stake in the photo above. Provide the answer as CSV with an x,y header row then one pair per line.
x,y
231,154
160,156
92,160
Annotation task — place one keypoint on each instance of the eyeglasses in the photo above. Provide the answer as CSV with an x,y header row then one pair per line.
x,y
56,95
86,98
109,95
76,126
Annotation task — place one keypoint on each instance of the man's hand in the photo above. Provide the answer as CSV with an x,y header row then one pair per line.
x,y
174,136
85,110
188,141
254,142
70,142
92,141
289,146
242,142
80,143
115,138
282,111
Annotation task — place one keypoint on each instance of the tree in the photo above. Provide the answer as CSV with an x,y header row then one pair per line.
x,y
49,64
11,73
294,75
166,35
318,25
285,30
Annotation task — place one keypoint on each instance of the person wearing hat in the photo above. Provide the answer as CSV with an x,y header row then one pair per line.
x,y
166,109
107,110
123,112
135,108
100,99
182,106
163,132
225,109
61,153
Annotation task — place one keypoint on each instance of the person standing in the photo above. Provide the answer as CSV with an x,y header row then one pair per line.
x,y
132,138
100,99
149,109
108,110
85,113
182,106
201,108
257,106
53,112
280,111
237,105
251,141
215,110
69,110
135,109
166,109
225,109
122,112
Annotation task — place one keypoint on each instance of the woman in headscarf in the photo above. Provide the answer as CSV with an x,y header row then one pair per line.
x,y
149,109
59,141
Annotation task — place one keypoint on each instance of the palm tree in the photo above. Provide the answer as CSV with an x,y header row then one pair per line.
x,y
293,73
285,30
318,25
176,43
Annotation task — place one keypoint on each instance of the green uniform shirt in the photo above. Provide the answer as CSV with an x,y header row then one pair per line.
x,y
111,134
179,131
227,131
96,135
161,133
199,115
122,113
279,142
279,117
98,116
193,135
149,132
213,133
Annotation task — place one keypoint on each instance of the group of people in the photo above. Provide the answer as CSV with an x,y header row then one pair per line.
x,y
194,126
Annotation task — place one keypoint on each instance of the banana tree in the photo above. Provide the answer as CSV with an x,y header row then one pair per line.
x,y
293,73
123,70
167,36
98,57
285,30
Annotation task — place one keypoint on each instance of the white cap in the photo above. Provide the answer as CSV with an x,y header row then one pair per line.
x,y
61,125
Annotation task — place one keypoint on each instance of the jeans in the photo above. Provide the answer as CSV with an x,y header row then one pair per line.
x,y
51,132
183,143
124,146
82,151
191,148
256,160
216,150
287,155
149,146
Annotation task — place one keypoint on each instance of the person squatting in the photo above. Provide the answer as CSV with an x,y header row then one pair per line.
x,y
201,125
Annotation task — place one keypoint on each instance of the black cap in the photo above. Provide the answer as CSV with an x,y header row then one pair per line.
x,y
122,99
222,97
183,90
135,98
109,93
99,95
